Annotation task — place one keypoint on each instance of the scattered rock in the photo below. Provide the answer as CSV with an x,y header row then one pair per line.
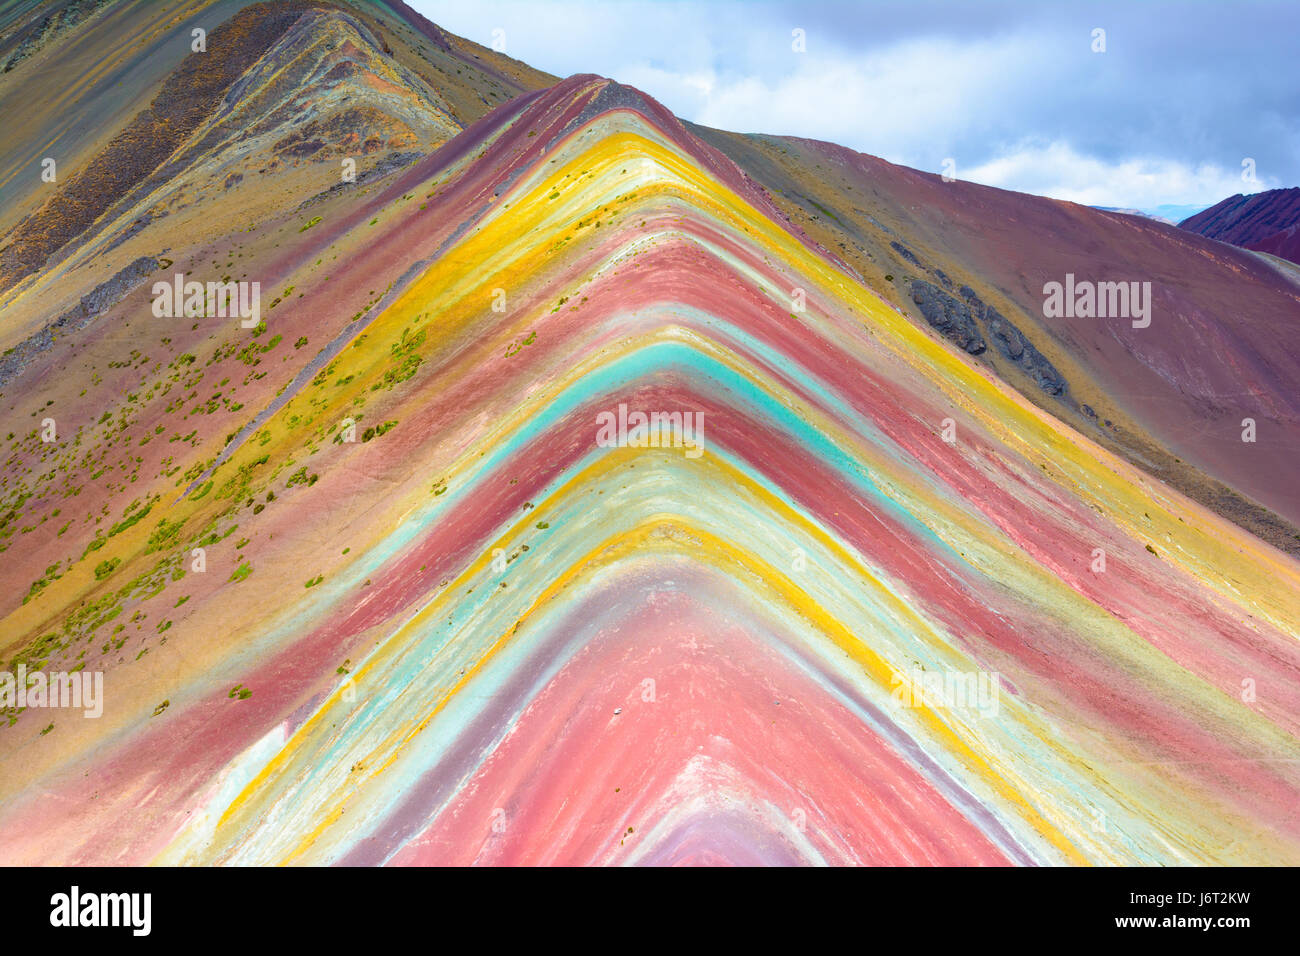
x,y
906,253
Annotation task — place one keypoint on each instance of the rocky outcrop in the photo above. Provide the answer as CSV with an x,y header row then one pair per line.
x,y
1013,345
966,320
949,315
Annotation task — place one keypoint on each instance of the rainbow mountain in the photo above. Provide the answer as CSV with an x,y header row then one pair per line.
x,y
880,565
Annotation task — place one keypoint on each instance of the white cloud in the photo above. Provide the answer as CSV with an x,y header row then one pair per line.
x,y
1058,171
1022,105
909,102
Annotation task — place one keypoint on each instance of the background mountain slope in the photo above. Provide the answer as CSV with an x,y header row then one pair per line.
x,y
1267,222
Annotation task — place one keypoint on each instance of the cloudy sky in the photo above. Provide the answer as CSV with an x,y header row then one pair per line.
x,y
1012,92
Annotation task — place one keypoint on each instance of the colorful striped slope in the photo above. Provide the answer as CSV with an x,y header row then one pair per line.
x,y
842,602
